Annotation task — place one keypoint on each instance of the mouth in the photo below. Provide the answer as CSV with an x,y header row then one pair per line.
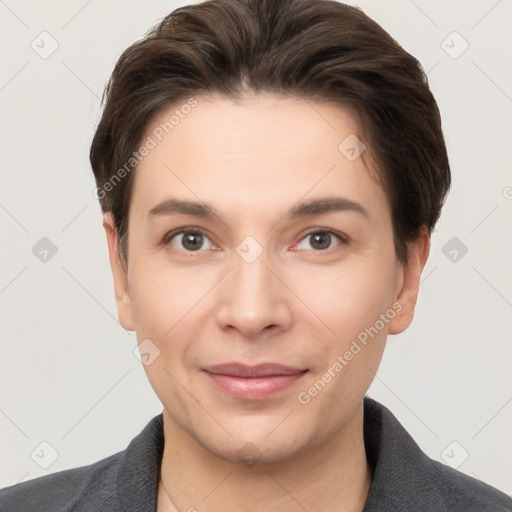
x,y
253,382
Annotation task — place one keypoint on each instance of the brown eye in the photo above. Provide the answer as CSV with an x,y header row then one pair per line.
x,y
319,241
190,241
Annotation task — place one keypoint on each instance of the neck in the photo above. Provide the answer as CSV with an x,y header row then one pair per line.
x,y
331,476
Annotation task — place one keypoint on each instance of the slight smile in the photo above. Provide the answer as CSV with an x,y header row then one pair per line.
x,y
253,382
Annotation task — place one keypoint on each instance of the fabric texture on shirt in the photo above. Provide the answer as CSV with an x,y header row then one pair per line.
x,y
404,478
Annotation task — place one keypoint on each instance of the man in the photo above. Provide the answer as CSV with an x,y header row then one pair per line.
x,y
270,173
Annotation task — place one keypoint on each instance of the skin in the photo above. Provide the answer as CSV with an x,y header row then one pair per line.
x,y
296,304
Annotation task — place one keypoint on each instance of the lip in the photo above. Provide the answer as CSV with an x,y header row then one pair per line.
x,y
253,382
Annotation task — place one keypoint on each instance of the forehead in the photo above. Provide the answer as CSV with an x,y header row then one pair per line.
x,y
263,151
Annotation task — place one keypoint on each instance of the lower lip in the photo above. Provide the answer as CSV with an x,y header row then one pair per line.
x,y
256,388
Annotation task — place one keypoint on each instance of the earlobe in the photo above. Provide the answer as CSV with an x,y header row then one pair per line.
x,y
407,296
119,274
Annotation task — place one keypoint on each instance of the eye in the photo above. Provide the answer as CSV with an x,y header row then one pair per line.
x,y
319,241
189,240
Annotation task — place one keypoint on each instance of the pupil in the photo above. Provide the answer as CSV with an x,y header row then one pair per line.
x,y
321,240
192,241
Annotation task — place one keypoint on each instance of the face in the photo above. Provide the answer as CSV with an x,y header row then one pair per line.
x,y
262,270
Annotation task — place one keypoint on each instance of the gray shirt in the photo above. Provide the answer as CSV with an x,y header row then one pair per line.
x,y
404,478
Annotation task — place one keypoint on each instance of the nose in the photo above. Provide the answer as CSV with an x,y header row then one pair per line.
x,y
252,300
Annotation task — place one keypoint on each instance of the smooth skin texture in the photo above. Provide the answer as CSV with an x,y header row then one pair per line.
x,y
301,303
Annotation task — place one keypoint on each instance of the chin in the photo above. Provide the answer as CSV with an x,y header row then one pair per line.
x,y
255,446
252,454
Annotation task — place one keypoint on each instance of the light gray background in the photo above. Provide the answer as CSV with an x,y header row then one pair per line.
x,y
68,375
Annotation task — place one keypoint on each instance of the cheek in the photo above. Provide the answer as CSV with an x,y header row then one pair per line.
x,y
349,299
164,299
167,305
351,304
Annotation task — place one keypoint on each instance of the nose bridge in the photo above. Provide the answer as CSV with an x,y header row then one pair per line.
x,y
252,298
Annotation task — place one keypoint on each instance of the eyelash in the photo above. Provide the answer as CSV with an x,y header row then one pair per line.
x,y
343,239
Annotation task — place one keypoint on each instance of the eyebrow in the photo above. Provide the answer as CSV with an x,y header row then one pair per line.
x,y
302,209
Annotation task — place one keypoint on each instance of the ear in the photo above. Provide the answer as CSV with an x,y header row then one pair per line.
x,y
119,273
407,295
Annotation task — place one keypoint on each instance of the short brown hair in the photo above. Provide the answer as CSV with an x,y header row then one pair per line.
x,y
314,49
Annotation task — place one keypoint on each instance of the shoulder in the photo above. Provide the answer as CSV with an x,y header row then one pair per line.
x,y
467,494
58,492
126,480
406,479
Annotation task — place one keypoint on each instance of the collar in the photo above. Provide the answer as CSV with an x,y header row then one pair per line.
x,y
139,469
398,465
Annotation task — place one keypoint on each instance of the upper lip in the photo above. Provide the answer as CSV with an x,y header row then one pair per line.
x,y
260,370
